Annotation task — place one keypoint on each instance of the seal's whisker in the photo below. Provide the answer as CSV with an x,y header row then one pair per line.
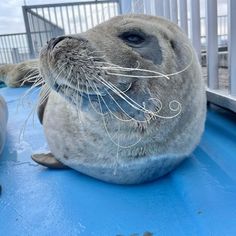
x,y
60,69
45,95
135,105
109,110
118,118
124,112
26,67
138,76
159,75
28,91
78,105
90,98
96,57
36,85
32,112
121,94
117,152
111,138
69,78
30,79
117,67
96,51
142,108
30,75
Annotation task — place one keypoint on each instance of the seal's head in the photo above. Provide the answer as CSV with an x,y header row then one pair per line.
x,y
136,68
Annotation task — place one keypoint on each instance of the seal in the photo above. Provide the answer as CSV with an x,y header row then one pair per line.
x,y
3,122
123,102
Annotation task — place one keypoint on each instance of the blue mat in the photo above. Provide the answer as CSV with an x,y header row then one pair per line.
x,y
198,198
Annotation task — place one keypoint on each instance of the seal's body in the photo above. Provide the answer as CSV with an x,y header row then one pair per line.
x,y
127,103
3,122
123,102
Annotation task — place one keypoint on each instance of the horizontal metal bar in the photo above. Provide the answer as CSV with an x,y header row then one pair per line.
x,y
221,99
68,4
6,35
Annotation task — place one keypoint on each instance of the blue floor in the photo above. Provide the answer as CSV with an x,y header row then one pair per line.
x,y
198,198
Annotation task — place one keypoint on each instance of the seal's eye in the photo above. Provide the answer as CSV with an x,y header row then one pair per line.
x,y
133,39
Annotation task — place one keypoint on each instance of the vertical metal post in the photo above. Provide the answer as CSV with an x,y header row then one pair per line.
x,y
147,5
27,28
109,10
159,7
74,21
212,44
126,6
3,50
152,5
39,30
68,20
80,20
167,8
195,26
174,11
138,6
232,45
183,13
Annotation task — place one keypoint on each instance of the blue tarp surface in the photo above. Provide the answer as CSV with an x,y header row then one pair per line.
x,y
198,198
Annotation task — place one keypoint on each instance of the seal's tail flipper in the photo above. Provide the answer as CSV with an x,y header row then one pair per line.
x,y
48,160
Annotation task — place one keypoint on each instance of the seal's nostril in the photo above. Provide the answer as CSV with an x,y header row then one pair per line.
x,y
54,41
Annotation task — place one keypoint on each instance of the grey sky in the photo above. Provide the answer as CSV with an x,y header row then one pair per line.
x,y
11,18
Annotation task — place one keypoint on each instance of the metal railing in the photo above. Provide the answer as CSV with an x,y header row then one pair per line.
x,y
43,22
13,48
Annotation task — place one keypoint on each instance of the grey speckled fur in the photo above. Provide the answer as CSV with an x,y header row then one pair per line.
x,y
78,138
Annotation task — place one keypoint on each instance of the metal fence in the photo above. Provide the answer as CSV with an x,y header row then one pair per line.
x,y
13,48
50,20
43,22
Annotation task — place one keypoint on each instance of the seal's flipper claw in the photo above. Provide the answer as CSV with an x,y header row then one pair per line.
x,y
48,160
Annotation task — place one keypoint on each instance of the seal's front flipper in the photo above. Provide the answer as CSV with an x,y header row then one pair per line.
x,y
48,160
